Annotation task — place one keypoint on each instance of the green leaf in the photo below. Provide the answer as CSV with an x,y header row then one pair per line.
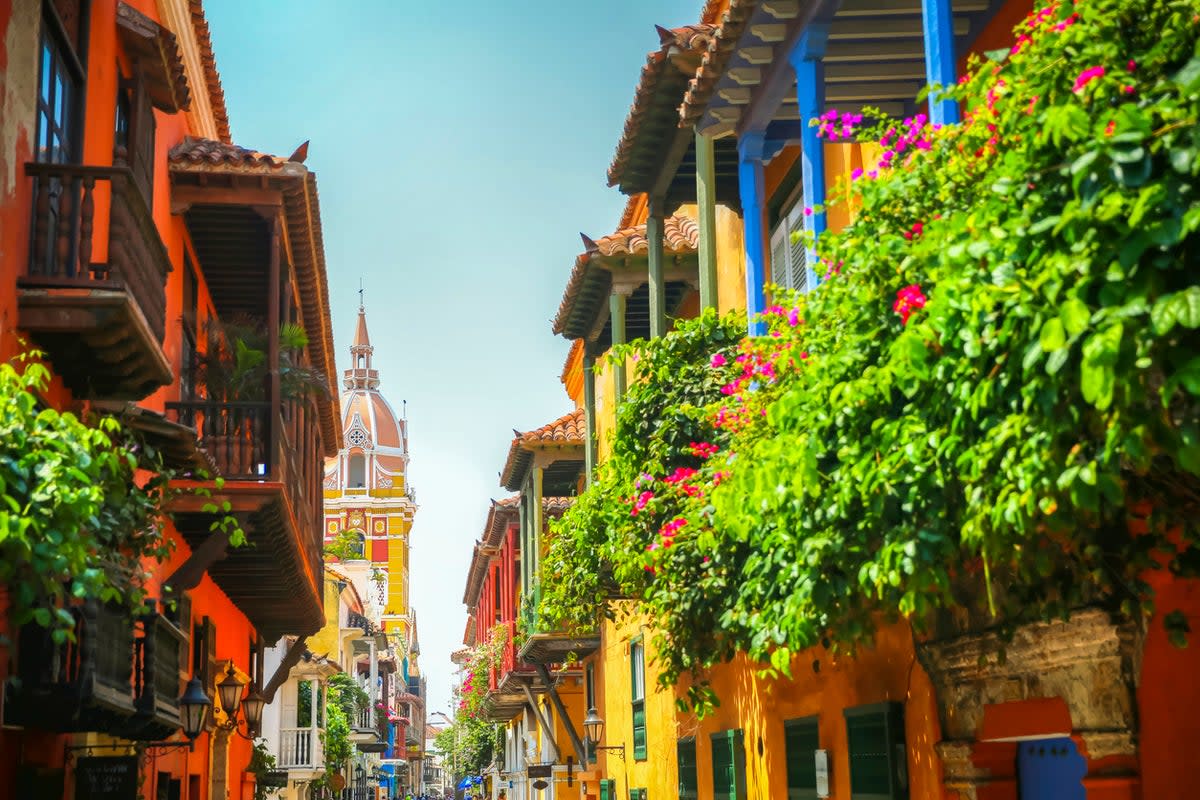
x,y
1075,316
1182,308
1053,335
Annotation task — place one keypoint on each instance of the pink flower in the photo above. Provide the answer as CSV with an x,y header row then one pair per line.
x,y
1128,90
680,475
1131,66
640,503
794,317
1110,128
1032,102
908,300
702,449
718,360
1087,76
856,174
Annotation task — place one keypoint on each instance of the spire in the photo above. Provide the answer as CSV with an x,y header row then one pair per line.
x,y
361,339
361,375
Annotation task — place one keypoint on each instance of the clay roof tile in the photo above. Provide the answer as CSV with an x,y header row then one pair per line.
x,y
680,235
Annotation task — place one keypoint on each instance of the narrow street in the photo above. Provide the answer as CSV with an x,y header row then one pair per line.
x,y
850,452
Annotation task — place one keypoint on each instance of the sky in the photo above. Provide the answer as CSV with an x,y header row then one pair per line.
x,y
460,148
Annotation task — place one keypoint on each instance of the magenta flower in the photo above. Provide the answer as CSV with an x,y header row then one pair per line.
x,y
718,360
908,300
1087,76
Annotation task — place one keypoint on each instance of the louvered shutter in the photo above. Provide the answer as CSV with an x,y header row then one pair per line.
x,y
800,741
878,757
780,255
797,246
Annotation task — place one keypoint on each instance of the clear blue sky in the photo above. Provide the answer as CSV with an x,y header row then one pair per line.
x,y
460,148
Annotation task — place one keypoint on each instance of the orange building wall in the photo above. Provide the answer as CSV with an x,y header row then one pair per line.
x,y
19,30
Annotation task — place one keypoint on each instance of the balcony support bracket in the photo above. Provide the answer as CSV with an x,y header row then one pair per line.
x,y
290,659
547,728
576,742
190,573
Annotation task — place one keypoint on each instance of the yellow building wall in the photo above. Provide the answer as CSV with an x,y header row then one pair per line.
x,y
325,642
885,672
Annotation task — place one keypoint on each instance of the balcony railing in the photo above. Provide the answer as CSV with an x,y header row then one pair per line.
x,y
365,720
80,685
235,435
276,444
85,334
156,681
298,748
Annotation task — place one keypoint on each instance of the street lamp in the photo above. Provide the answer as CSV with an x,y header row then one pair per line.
x,y
229,693
593,729
194,705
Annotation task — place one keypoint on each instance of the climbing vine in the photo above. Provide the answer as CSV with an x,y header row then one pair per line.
x,y
990,403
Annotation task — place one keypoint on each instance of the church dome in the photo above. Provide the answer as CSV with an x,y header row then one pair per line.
x,y
374,452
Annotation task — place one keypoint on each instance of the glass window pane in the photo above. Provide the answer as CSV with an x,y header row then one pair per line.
x,y
304,704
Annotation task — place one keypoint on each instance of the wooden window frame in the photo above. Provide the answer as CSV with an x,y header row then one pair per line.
x,y
798,787
895,750
687,789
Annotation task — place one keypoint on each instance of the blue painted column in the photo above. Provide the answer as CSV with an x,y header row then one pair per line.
x,y
937,18
805,59
753,191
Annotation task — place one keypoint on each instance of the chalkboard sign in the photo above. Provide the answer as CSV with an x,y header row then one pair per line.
x,y
106,778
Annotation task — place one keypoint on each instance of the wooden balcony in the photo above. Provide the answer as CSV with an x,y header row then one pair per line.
x,y
120,676
269,455
100,323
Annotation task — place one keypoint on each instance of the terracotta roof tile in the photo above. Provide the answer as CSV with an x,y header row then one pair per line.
x,y
503,511
715,60
157,50
680,235
691,39
500,516
566,431
206,152
212,78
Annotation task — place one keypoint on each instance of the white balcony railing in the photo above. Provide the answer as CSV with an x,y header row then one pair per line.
x,y
366,719
298,748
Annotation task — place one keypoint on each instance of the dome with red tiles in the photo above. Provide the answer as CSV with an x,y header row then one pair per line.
x,y
374,450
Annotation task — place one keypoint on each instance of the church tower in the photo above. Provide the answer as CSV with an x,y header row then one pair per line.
x,y
369,505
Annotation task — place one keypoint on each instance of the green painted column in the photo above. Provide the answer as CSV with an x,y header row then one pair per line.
x,y
616,312
589,415
706,202
536,560
658,289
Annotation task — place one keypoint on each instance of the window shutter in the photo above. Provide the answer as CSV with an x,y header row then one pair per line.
x,y
685,756
800,740
798,248
637,682
780,263
878,756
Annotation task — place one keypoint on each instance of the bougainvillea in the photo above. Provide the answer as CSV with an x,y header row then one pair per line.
x,y
996,381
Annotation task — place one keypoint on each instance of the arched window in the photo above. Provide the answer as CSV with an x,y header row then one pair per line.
x,y
361,545
358,471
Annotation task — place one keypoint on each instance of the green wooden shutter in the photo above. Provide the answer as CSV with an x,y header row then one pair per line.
x,y
637,794
729,765
685,756
604,790
800,740
637,683
878,756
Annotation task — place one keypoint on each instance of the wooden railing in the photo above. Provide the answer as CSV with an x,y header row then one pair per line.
x,y
300,449
235,435
64,225
298,748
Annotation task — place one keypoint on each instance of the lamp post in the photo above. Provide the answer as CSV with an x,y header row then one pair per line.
x,y
229,694
593,730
